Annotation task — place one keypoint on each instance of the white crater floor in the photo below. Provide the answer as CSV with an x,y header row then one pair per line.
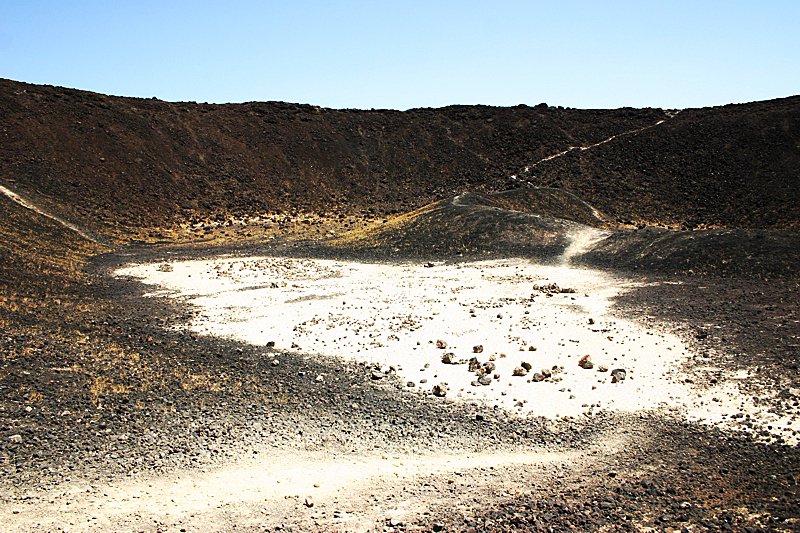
x,y
392,315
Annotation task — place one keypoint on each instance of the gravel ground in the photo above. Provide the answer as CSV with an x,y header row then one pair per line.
x,y
103,397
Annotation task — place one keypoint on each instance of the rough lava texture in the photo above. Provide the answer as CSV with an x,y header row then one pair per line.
x,y
731,166
115,416
149,162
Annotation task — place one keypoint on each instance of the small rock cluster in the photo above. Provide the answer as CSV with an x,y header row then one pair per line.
x,y
485,371
553,288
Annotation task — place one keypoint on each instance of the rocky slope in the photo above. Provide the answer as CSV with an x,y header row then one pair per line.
x,y
731,166
107,398
148,162
110,161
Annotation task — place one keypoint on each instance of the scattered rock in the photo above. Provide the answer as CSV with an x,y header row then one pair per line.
x,y
553,288
531,348
519,371
441,344
485,379
449,358
602,368
537,377
376,375
439,391
275,362
618,374
474,364
586,362
526,366
477,348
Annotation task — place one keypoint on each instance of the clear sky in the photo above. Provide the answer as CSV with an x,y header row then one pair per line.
x,y
392,54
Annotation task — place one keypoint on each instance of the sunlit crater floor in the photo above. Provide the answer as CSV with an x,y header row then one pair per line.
x,y
507,313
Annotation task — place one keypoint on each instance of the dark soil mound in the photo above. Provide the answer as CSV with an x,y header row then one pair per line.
x,y
556,203
730,253
523,223
539,224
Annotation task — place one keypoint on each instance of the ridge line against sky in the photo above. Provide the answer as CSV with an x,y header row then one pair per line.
x,y
401,55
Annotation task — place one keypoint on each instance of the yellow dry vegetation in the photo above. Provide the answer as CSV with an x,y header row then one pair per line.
x,y
378,234
37,252
204,381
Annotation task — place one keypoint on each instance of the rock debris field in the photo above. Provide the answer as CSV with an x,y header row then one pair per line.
x,y
536,340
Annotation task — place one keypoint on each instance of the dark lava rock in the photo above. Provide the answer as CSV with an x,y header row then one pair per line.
x,y
519,371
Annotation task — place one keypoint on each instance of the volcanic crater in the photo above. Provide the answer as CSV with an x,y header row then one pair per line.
x,y
279,317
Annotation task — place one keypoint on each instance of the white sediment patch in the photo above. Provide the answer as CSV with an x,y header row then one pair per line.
x,y
392,315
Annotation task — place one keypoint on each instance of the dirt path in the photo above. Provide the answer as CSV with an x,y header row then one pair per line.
x,y
562,153
312,490
93,237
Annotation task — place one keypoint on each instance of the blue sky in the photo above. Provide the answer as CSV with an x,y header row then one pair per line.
x,y
399,55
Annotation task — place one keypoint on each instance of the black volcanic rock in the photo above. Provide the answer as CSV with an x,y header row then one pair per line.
x,y
731,166
147,162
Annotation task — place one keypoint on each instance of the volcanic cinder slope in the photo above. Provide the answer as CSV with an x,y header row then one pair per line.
x,y
148,162
129,408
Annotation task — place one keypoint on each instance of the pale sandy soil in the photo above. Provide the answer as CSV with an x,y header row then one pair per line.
x,y
312,490
392,315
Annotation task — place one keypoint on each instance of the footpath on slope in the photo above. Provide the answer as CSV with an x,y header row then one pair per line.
x,y
562,153
86,234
